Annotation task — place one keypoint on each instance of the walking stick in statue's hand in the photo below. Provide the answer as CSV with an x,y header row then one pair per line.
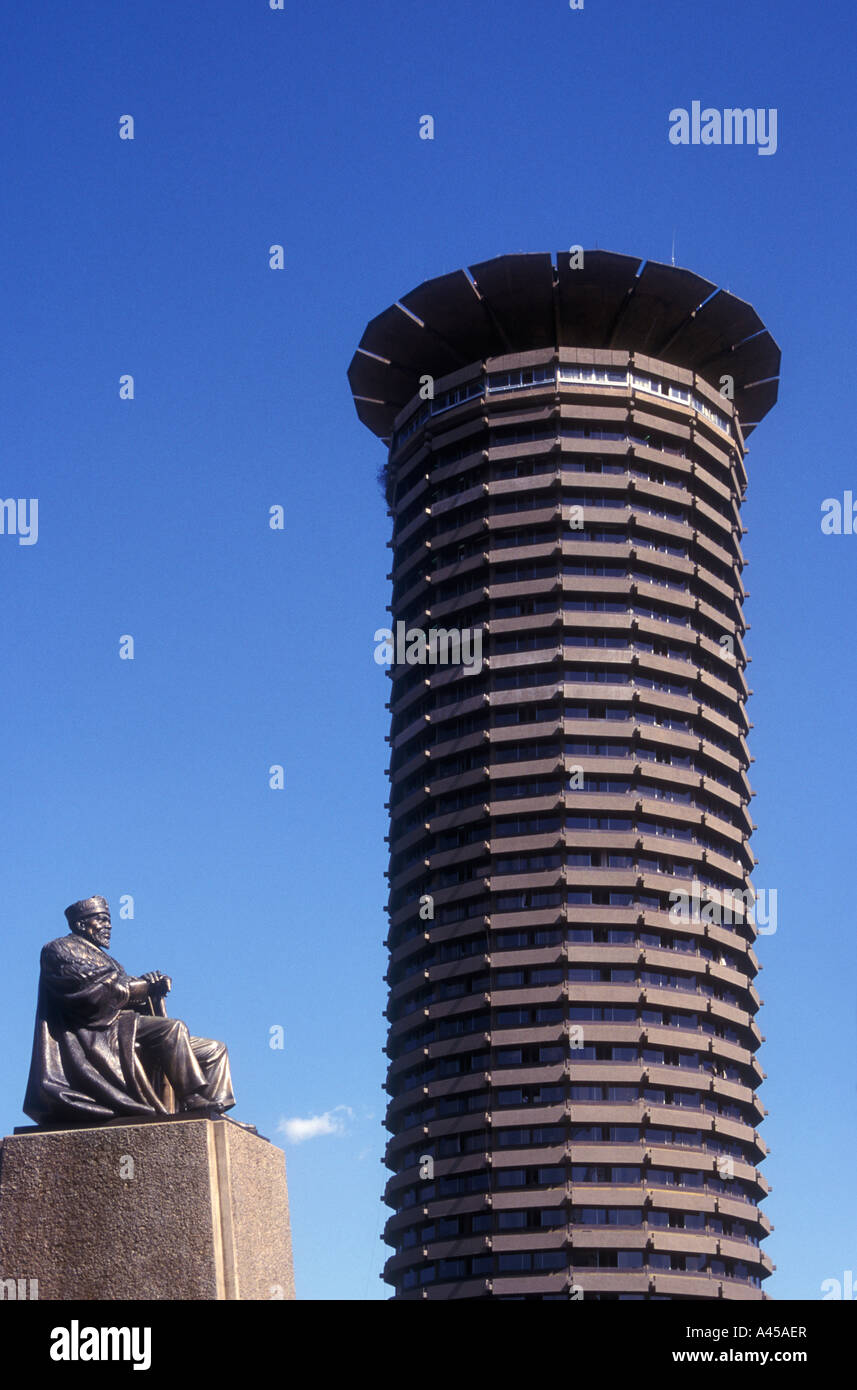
x,y
158,1007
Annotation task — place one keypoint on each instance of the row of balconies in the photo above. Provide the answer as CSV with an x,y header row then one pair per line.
x,y
594,877
643,470
414,1064
640,799
546,532
597,1112
626,662
583,800
574,992
589,916
641,1112
574,397
560,549
636,1073
574,839
591,1284
581,876
477,820
693,970
635,482
624,730
425,682
547,754
635,665
680,812
629,1035
629,724
573,1194
430,761
548,536
567,404
651,1158
732,958
493,742
626,916
631,498
583,1237
641,521
405,1038
484,589
606,995
587,1286
568,838
558,461
624,739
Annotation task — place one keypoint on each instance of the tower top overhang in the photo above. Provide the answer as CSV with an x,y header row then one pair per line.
x,y
521,302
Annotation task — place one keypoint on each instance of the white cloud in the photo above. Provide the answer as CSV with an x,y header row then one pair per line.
x,y
331,1122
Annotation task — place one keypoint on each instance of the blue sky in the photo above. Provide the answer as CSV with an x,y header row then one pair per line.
x,y
255,647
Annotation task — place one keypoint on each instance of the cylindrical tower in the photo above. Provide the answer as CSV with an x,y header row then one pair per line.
x,y
572,1036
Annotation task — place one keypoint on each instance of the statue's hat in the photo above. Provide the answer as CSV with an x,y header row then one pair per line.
x,y
87,907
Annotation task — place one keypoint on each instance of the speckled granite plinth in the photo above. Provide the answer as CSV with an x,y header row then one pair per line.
x,y
188,1208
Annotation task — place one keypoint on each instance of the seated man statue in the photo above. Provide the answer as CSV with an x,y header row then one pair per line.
x,y
98,1043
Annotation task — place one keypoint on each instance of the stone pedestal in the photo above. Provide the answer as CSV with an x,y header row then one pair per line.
x,y
183,1208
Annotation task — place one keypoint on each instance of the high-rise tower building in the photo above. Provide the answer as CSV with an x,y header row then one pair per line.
x,y
572,1035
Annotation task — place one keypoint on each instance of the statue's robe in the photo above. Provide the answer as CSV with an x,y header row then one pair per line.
x,y
85,1062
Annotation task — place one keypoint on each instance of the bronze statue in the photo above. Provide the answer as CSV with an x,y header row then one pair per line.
x,y
103,1047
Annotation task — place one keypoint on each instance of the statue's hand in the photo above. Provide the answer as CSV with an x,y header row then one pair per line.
x,y
158,983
